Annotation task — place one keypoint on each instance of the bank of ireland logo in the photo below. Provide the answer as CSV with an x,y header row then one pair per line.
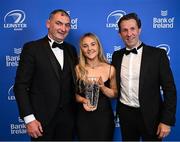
x,y
164,21
113,18
74,22
13,60
165,47
17,50
17,127
117,47
164,12
116,120
14,20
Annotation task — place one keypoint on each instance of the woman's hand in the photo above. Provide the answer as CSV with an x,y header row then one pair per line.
x,y
100,82
87,106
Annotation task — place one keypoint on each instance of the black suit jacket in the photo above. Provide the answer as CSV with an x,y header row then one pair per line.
x,y
39,84
154,72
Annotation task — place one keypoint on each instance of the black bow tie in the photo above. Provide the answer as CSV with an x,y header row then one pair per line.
x,y
134,50
127,52
60,46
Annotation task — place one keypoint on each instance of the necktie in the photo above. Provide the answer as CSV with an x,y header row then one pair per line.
x,y
134,50
60,46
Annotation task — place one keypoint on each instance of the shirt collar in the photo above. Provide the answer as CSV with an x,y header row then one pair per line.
x,y
51,41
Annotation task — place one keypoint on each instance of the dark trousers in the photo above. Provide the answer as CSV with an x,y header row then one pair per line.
x,y
61,128
132,125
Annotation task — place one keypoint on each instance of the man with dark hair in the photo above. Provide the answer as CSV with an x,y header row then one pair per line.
x,y
141,70
45,82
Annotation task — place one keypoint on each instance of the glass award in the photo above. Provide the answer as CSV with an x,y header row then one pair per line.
x,y
92,91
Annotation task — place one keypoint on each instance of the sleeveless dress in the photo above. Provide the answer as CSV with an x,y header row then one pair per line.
x,y
98,124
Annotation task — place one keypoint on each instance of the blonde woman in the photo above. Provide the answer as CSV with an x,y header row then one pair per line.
x,y
95,123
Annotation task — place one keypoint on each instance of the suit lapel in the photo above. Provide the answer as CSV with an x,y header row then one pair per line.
x,y
70,60
143,67
55,65
118,63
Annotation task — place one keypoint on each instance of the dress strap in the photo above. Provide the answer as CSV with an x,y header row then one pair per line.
x,y
109,71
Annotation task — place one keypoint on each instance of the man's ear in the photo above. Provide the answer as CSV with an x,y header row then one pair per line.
x,y
48,24
139,31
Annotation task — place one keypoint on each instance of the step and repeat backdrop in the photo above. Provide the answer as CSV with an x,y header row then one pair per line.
x,y
22,21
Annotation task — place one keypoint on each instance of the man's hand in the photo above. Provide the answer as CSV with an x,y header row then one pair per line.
x,y
34,129
163,130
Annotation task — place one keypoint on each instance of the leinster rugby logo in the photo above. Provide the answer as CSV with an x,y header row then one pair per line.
x,y
113,18
11,96
14,20
165,47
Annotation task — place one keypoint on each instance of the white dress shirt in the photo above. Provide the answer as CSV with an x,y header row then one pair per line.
x,y
59,53
130,72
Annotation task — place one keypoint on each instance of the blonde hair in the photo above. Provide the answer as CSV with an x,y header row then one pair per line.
x,y
81,71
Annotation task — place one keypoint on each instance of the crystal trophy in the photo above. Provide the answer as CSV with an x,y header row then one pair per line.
x,y
92,91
